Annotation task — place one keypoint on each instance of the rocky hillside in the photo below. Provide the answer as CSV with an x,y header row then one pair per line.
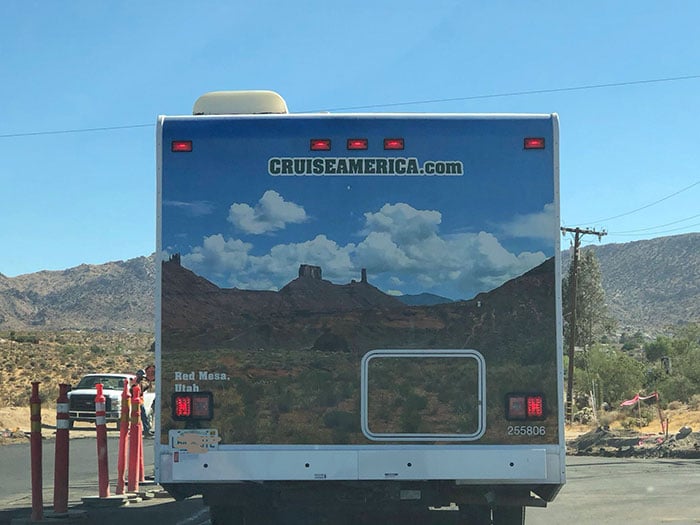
x,y
112,296
649,285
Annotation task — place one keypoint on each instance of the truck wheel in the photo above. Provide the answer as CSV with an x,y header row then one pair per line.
x,y
474,515
509,516
225,515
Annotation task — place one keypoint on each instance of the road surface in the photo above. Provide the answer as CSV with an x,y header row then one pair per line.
x,y
599,491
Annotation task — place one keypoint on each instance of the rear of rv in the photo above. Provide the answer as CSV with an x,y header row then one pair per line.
x,y
358,310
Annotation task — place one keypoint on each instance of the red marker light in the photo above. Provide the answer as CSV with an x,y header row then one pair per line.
x,y
521,407
181,146
393,143
182,406
193,405
535,407
320,144
534,143
358,143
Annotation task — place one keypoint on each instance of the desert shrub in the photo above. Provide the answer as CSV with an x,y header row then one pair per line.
x,y
678,388
694,402
24,338
607,419
616,375
675,405
655,350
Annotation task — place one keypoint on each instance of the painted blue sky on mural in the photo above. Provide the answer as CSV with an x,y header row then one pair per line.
x,y
239,224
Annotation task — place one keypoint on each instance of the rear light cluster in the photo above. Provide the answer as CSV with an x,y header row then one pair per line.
x,y
190,406
356,144
525,407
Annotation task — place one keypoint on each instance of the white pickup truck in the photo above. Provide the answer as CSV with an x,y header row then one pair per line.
x,y
82,398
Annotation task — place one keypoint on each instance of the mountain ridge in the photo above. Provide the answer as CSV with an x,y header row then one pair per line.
x,y
649,285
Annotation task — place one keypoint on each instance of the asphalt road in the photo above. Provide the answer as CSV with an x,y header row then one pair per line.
x,y
612,491
599,491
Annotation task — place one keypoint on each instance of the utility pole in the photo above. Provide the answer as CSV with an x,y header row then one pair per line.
x,y
578,232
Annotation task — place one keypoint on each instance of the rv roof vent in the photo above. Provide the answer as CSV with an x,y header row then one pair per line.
x,y
239,103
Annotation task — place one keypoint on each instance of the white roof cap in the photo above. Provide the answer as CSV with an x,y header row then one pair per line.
x,y
239,103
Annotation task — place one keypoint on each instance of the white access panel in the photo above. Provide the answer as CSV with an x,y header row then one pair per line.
x,y
265,465
476,464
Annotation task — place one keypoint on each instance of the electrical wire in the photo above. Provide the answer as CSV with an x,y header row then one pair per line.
x,y
657,227
77,130
396,104
516,93
613,234
643,207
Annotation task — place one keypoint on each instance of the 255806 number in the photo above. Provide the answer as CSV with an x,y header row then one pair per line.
x,y
527,430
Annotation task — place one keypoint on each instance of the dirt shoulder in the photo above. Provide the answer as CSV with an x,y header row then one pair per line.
x,y
628,443
651,441
15,424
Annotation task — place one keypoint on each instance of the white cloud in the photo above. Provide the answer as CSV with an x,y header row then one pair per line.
x,y
271,213
402,239
321,251
542,225
218,256
403,222
402,249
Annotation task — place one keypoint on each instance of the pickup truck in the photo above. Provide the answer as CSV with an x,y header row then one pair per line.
x,y
82,398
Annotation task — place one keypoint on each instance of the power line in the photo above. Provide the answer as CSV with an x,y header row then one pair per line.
x,y
516,93
657,232
645,206
630,232
396,104
77,130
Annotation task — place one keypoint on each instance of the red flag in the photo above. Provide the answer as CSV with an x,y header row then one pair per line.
x,y
637,398
630,402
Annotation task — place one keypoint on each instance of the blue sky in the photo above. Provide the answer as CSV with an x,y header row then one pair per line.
x,y
89,197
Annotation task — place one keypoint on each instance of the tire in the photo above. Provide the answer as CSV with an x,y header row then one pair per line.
x,y
474,515
509,516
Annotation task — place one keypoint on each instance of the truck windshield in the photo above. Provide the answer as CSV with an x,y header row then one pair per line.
x,y
112,383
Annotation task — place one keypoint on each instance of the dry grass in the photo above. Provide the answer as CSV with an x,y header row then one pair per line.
x,y
64,357
678,414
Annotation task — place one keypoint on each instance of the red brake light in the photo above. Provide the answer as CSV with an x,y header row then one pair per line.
x,y
182,406
393,143
187,406
521,407
535,407
358,143
180,146
320,144
534,143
